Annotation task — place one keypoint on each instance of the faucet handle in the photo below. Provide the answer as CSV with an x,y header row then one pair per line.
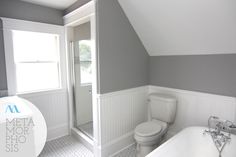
x,y
233,126
213,121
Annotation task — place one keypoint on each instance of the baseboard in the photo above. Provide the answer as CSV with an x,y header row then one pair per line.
x,y
117,145
57,132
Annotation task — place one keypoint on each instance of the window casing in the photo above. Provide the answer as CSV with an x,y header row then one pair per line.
x,y
35,55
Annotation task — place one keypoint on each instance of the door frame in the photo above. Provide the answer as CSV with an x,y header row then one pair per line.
x,y
77,17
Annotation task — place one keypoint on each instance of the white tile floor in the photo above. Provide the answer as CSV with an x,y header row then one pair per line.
x,y
70,147
65,147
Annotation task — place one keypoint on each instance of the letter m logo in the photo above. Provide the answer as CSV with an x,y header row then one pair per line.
x,y
12,109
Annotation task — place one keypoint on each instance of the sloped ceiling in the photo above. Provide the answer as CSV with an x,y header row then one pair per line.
x,y
184,27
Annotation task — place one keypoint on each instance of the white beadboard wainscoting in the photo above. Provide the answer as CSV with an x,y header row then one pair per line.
x,y
194,108
54,107
120,113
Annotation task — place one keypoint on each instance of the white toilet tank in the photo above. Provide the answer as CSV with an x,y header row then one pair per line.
x,y
162,107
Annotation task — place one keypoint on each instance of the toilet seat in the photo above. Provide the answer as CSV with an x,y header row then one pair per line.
x,y
150,132
147,129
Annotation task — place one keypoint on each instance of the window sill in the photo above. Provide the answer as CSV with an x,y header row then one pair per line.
x,y
41,92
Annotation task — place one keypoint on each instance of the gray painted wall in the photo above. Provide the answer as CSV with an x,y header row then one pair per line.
x,y
123,59
76,5
206,73
31,12
3,79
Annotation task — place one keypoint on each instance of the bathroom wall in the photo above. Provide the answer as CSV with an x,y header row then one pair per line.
x,y
3,79
184,31
54,107
205,73
26,11
186,42
123,60
120,112
123,71
194,108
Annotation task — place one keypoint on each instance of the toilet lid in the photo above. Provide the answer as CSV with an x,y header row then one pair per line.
x,y
148,129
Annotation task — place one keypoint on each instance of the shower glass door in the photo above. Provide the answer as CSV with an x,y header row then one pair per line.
x,y
83,81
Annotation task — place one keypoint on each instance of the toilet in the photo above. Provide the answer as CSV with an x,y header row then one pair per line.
x,y
148,135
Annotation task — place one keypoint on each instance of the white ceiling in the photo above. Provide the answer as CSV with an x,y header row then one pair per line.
x,y
57,4
184,27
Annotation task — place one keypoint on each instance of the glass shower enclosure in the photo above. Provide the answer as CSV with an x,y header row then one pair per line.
x,y
82,79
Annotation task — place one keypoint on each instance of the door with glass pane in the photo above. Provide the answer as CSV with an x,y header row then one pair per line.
x,y
83,79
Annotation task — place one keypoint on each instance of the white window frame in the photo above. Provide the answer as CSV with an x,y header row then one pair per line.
x,y
9,25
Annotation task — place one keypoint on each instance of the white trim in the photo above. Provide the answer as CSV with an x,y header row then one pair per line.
x,y
10,65
13,24
57,132
189,53
79,16
122,92
41,93
196,93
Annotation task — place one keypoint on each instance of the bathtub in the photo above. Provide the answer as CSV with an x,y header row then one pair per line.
x,y
191,142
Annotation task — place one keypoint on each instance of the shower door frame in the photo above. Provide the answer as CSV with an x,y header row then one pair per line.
x,y
79,16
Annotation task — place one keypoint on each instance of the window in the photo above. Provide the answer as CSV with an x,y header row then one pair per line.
x,y
36,57
85,62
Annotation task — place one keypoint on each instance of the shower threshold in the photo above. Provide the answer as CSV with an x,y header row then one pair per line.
x,y
87,129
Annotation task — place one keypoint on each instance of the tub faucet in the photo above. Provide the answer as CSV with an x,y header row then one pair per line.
x,y
219,126
220,131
